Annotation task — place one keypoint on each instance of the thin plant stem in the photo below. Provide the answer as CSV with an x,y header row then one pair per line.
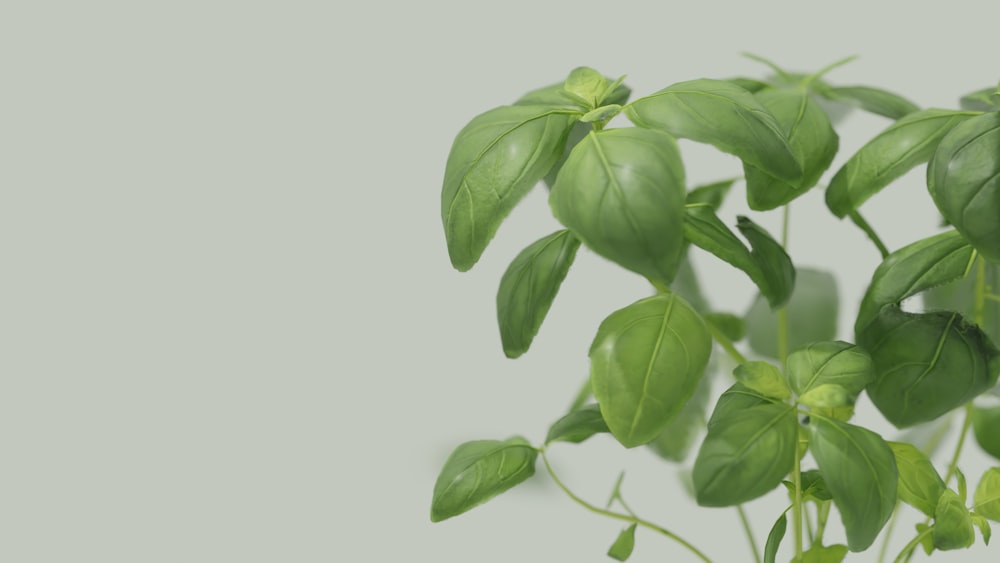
x,y
797,507
860,222
782,356
809,526
953,466
749,532
905,554
726,344
619,516
822,515
992,297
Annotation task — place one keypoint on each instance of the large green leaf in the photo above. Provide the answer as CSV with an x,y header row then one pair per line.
x,y
964,179
860,472
478,471
812,314
528,287
873,100
920,485
645,363
902,146
622,192
724,115
986,426
952,523
577,426
746,453
987,495
811,137
495,160
829,363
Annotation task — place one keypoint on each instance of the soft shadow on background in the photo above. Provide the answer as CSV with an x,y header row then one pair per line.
x,y
230,328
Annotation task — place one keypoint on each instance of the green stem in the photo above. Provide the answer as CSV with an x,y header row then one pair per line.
x,y
619,516
797,507
824,514
726,344
782,356
809,526
992,297
749,532
904,555
953,466
860,222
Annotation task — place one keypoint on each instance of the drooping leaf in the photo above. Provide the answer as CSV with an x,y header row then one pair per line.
x,y
963,177
920,486
902,146
622,192
645,363
772,258
495,160
986,426
825,554
675,440
724,115
829,362
812,314
478,471
987,495
812,139
621,550
774,538
529,286
986,99
953,528
763,378
577,426
873,100
712,194
860,472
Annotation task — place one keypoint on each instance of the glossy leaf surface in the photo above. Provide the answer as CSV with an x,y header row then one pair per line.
x,y
622,192
964,179
953,527
829,362
987,495
529,286
902,146
860,472
478,471
645,363
495,160
920,486
873,100
986,425
812,314
621,550
577,426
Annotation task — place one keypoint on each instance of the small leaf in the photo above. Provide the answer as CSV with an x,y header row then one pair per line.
x,y
772,258
645,363
873,100
529,286
813,486
926,537
763,378
904,145
621,550
602,113
825,554
478,471
953,528
713,194
987,495
774,539
731,326
981,100
920,486
827,396
829,363
985,422
860,472
577,426
812,314
963,492
587,84
984,527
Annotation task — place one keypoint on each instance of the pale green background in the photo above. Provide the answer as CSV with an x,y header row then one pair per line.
x,y
229,330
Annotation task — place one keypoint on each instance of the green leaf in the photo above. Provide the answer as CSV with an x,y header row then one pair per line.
x,y
577,426
713,194
812,139
495,160
621,550
813,486
529,286
953,528
827,554
812,314
964,179
587,84
985,422
767,265
622,192
902,146
987,495
872,100
737,398
860,472
774,538
751,85
676,439
731,326
746,453
920,486
986,99
927,540
960,295
554,95
602,113
827,396
963,493
984,527
724,115
829,362
478,471
763,378
645,363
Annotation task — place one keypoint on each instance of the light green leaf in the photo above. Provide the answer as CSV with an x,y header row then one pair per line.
x,y
829,362
825,554
495,160
873,100
751,85
774,538
963,177
920,486
987,495
676,439
985,423
645,363
724,115
587,84
827,396
622,192
963,493
478,471
602,113
925,532
953,528
984,527
556,96
904,145
731,326
621,550
763,378
812,314
529,286
986,99
577,426
713,194
860,472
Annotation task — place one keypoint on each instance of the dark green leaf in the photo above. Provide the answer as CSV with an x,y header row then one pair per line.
x,y
987,99
621,550
829,362
986,425
964,179
713,194
920,486
495,160
774,539
645,363
813,486
746,453
960,296
812,314
904,145
724,115
731,326
622,192
872,100
987,495
860,472
953,527
774,262
763,378
577,426
675,441
827,554
478,471
812,139
528,287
